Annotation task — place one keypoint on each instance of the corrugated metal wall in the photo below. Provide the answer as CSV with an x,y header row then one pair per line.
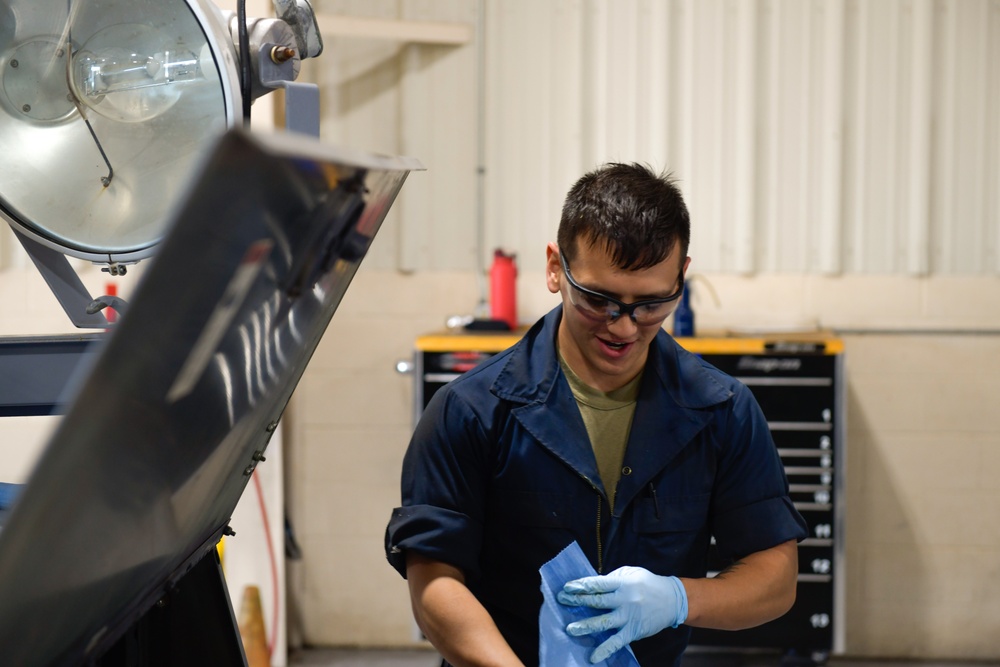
x,y
825,136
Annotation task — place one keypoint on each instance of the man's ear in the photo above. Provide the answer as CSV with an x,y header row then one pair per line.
x,y
553,270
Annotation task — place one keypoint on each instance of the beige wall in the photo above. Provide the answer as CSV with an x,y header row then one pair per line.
x,y
347,429
923,533
923,451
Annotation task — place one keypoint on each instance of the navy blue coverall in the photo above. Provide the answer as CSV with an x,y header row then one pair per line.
x,y
500,476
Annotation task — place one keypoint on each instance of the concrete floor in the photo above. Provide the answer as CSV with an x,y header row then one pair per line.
x,y
363,658
422,658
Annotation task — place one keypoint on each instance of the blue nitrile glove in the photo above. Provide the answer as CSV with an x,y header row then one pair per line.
x,y
641,604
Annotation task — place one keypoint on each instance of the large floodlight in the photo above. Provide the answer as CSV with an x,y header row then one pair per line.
x,y
106,108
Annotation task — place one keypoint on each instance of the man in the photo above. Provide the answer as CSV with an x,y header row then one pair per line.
x,y
596,427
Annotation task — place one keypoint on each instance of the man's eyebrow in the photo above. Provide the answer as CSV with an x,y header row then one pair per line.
x,y
651,297
616,295
600,291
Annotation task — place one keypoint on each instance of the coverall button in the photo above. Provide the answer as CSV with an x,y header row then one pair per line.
x,y
626,470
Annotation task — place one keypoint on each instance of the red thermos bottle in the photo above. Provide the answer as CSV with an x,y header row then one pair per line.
x,y
503,288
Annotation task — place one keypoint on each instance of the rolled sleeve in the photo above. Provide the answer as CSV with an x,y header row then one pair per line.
x,y
443,485
758,526
753,511
439,534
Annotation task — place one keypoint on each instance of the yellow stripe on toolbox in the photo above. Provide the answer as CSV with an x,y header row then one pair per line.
x,y
498,342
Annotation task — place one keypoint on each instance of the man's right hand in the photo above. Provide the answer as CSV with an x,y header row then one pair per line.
x,y
452,618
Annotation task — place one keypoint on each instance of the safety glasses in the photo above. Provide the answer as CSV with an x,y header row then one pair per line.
x,y
597,306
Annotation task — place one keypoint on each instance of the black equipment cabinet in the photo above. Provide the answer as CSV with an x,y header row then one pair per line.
x,y
800,388
799,383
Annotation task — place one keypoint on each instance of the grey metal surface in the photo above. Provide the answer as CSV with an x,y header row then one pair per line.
x,y
840,509
37,373
329,657
144,471
365,658
326,657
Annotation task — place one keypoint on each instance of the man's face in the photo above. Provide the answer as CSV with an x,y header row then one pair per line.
x,y
606,354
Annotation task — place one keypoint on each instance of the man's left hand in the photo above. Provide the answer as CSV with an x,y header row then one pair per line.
x,y
640,604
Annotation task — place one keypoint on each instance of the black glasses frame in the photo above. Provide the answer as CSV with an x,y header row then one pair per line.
x,y
623,308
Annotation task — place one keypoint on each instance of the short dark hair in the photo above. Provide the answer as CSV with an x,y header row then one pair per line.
x,y
637,214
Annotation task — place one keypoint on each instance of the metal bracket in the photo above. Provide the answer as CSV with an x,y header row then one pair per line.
x,y
69,290
112,302
301,107
301,99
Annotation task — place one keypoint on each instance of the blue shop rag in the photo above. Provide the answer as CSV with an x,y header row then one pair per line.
x,y
556,648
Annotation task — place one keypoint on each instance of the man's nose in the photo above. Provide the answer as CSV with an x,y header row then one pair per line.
x,y
623,327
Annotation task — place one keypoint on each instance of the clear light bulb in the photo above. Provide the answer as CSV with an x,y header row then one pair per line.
x,y
132,72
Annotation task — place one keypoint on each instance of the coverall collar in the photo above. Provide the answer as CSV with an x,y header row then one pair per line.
x,y
669,413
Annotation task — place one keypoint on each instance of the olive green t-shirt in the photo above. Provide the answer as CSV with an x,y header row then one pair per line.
x,y
608,418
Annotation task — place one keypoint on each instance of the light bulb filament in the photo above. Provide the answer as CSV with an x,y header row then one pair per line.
x,y
116,70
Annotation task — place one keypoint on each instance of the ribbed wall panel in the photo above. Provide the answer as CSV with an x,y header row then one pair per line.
x,y
820,136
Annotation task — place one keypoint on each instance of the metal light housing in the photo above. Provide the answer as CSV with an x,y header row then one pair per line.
x,y
104,112
108,106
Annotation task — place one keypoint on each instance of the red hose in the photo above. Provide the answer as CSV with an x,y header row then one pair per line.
x,y
274,565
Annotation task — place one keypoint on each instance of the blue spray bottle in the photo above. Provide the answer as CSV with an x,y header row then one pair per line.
x,y
684,315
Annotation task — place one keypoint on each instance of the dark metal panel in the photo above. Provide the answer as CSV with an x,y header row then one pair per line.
x,y
144,471
36,372
193,624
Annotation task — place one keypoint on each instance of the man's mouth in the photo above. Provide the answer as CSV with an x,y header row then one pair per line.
x,y
615,345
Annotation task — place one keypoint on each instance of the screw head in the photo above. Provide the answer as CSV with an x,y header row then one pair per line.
x,y
14,63
282,54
